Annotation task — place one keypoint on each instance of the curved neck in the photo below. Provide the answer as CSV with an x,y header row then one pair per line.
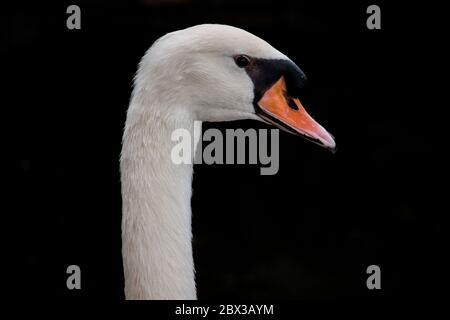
x,y
156,222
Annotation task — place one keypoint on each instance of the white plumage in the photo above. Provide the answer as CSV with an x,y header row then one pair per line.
x,y
185,76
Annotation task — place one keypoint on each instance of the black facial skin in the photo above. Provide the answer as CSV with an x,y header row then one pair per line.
x,y
265,73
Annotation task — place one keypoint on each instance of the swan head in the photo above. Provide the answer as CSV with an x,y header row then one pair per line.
x,y
222,73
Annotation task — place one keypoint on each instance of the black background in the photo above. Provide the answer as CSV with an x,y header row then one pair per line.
x,y
308,232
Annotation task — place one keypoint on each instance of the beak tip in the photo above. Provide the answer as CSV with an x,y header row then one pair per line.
x,y
333,149
328,141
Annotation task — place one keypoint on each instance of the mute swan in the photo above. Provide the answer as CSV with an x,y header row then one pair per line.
x,y
205,73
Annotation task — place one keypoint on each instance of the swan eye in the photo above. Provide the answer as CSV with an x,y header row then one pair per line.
x,y
242,61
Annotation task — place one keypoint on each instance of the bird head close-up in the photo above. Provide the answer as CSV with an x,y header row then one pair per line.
x,y
204,73
218,73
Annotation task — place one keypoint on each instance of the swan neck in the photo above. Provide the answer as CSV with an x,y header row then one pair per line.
x,y
156,222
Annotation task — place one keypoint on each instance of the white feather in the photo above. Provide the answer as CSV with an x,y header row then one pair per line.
x,y
185,76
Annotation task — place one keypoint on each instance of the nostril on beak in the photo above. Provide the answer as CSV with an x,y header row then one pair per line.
x,y
290,102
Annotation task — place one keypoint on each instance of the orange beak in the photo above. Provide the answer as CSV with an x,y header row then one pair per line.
x,y
288,114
